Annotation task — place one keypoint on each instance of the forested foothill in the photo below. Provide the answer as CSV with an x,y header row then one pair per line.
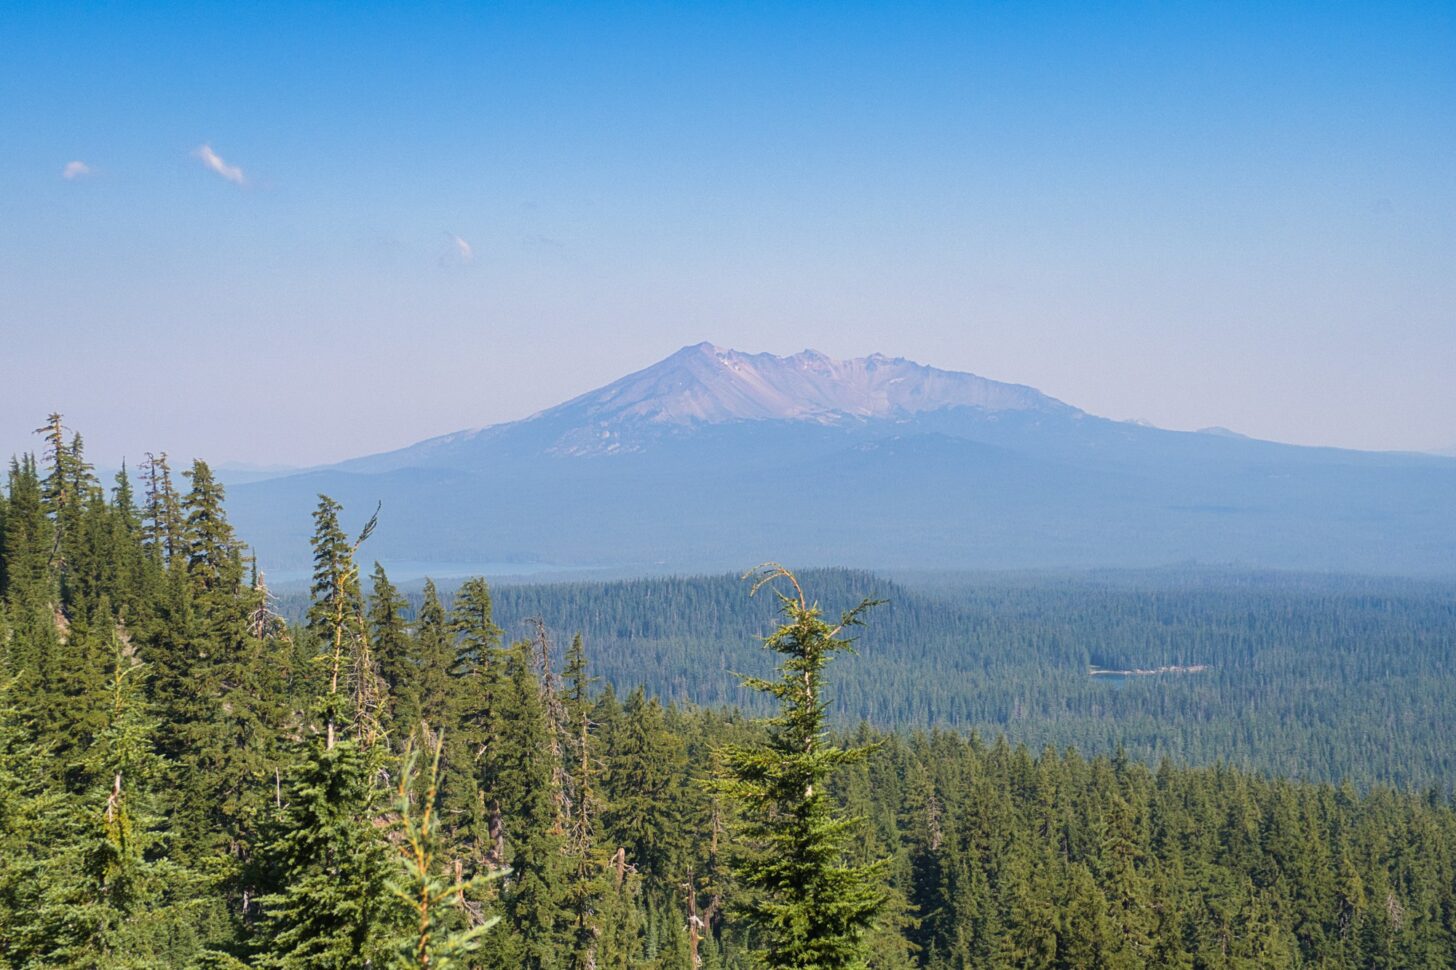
x,y
191,778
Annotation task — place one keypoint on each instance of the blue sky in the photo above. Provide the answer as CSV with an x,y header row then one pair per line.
x,y
301,232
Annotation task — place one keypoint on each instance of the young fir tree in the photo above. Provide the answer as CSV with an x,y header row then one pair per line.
x,y
477,660
811,910
118,564
444,928
473,622
326,865
214,555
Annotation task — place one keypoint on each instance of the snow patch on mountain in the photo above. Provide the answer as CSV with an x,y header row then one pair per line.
x,y
704,384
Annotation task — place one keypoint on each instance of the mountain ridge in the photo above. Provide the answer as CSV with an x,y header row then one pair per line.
x,y
809,385
704,384
713,459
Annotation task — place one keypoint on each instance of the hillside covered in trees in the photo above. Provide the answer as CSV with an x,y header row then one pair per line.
x,y
187,779
1323,678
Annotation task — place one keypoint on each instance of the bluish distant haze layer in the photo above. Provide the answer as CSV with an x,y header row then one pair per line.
x,y
301,232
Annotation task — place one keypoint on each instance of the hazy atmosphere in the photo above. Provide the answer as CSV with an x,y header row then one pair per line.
x,y
1081,378
1242,219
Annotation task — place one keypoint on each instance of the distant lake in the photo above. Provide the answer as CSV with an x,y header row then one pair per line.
x,y
1118,678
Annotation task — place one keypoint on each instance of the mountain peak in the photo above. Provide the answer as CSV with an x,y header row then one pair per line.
x,y
704,384
703,348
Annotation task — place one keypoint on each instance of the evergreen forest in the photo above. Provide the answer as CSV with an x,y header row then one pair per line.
x,y
1323,678
197,774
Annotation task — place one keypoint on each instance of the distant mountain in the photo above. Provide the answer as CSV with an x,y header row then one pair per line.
x,y
706,385
714,459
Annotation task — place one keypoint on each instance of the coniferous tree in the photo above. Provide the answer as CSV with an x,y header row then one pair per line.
x,y
109,897
646,775
389,636
214,556
75,692
475,752
353,692
162,522
444,928
522,774
140,814
4,511
326,866
121,567
218,673
430,690
63,488
589,887
29,806
32,595
94,554
325,860
473,621
810,908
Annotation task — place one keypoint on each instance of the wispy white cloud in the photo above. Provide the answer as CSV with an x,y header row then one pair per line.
x,y
75,170
460,250
215,162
